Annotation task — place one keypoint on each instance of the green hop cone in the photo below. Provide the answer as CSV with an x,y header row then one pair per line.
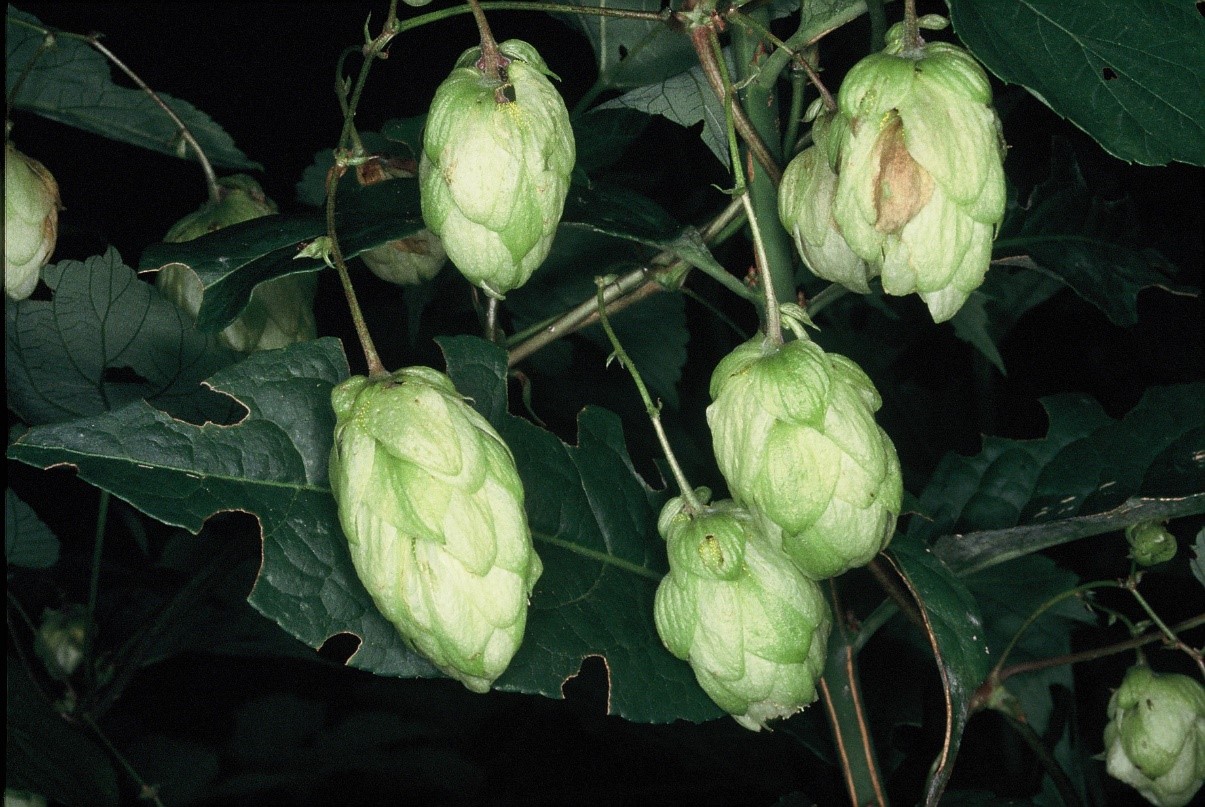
x,y
1150,543
407,261
31,221
753,628
280,311
432,507
795,437
920,187
494,173
805,206
1155,738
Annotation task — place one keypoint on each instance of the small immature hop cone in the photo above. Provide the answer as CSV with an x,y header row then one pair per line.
x,y
795,437
1155,738
495,167
753,628
805,207
31,221
432,507
407,261
1150,543
281,311
920,188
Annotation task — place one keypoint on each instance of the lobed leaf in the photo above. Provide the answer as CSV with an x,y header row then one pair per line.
x,y
71,83
1129,74
106,339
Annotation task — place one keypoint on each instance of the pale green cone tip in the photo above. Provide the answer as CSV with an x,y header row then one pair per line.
x,y
920,187
493,176
432,506
795,437
280,311
753,629
1155,738
31,221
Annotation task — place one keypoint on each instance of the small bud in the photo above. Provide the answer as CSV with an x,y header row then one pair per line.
x,y
1150,543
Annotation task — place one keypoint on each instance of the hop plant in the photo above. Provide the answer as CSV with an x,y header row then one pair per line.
x,y
407,261
432,507
495,167
795,437
805,207
281,310
920,182
31,221
1155,738
1150,543
753,628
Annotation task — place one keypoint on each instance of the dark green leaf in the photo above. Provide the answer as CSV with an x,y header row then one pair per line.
x,y
232,261
602,134
400,139
71,83
1129,74
631,53
48,755
1090,245
272,464
1089,475
28,542
957,635
594,521
104,340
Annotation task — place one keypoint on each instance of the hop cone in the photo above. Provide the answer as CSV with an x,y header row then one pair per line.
x,y
920,187
1150,543
805,206
280,312
752,627
432,507
407,261
494,173
1155,738
795,437
31,221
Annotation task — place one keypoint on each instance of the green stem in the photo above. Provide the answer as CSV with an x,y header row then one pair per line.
x,y
912,38
1046,759
98,546
828,295
371,358
841,692
552,8
145,791
211,179
761,104
812,27
878,25
693,505
1041,609
371,50
1171,636
492,63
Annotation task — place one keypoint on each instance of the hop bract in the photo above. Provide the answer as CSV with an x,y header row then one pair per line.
x,y
432,507
795,437
407,261
31,221
920,181
495,167
280,312
805,206
753,628
1155,738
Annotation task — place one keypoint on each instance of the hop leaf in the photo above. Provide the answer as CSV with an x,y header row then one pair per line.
x,y
752,627
920,182
432,507
280,311
495,167
795,437
31,221
1155,738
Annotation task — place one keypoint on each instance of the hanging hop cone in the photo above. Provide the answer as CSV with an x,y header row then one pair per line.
x,y
280,312
795,437
1155,738
805,207
31,221
432,507
407,261
1150,543
753,628
920,181
495,167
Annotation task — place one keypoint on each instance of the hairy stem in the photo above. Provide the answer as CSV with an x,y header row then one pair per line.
x,y
375,367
